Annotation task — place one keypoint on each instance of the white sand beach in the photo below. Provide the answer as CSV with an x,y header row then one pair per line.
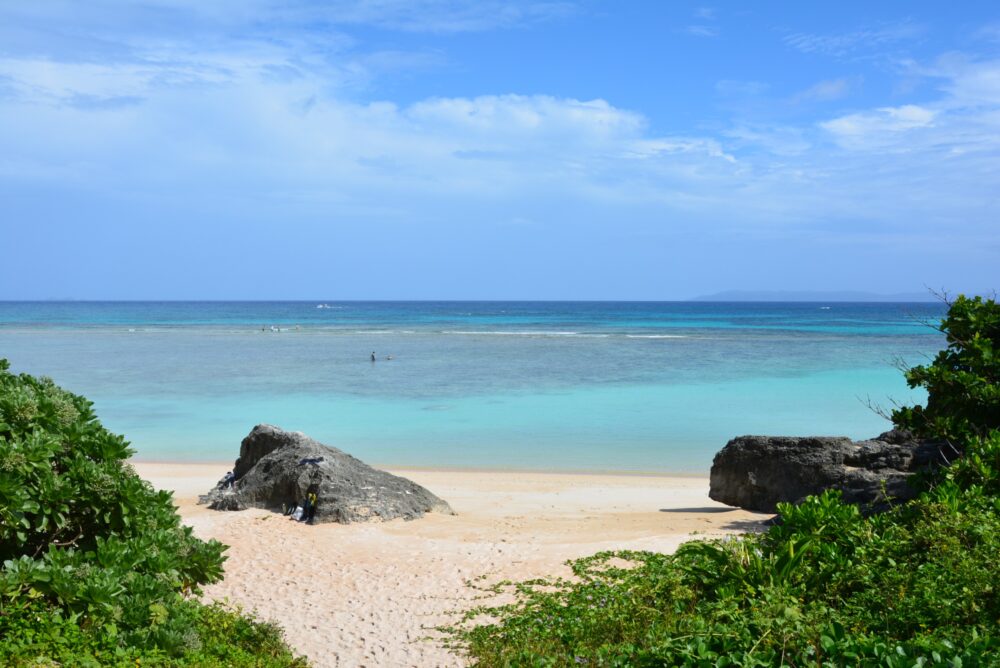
x,y
370,594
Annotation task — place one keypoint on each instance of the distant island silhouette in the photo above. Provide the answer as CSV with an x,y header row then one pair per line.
x,y
813,296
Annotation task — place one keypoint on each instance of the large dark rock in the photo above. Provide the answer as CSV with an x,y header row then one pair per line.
x,y
278,469
758,472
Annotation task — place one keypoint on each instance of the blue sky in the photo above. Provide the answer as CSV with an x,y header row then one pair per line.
x,y
382,149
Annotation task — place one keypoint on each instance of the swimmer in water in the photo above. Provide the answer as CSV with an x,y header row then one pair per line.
x,y
373,356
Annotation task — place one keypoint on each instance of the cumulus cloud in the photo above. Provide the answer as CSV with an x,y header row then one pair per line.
x,y
272,130
535,115
212,129
269,128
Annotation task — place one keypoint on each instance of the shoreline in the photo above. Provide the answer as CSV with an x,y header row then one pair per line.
x,y
370,594
402,469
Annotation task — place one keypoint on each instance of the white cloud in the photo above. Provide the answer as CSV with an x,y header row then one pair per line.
x,y
968,84
879,127
779,140
274,128
537,115
186,17
651,148
180,42
702,31
288,135
233,131
830,89
850,43
39,80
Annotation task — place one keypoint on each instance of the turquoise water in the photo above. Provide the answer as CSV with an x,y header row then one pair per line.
x,y
553,386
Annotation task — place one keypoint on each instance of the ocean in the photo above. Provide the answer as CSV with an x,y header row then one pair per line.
x,y
561,386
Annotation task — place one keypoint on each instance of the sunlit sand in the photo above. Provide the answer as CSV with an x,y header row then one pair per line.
x,y
371,594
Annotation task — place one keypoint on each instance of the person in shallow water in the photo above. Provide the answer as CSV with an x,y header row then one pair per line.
x,y
373,356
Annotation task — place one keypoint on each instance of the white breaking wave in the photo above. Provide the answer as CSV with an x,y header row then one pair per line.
x,y
383,331
525,333
655,336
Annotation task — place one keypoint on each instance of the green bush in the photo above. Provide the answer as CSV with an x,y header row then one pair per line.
x,y
97,567
918,585
963,381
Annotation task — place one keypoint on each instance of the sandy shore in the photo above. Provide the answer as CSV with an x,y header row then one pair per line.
x,y
367,594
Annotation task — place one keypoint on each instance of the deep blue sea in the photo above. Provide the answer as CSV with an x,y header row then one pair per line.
x,y
611,386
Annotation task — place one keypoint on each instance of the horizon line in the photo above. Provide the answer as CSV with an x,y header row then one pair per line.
x,y
489,300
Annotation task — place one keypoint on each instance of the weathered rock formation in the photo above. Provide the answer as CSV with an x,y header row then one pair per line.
x,y
758,472
277,469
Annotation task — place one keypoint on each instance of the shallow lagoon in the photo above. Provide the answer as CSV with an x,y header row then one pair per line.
x,y
554,386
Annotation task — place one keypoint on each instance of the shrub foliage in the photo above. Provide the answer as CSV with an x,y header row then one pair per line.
x,y
963,381
918,585
97,567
